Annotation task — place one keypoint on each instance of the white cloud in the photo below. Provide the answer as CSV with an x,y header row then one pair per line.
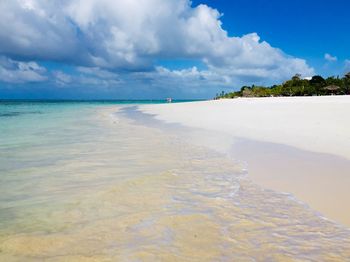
x,y
97,72
12,71
192,75
62,78
330,58
89,76
347,65
131,35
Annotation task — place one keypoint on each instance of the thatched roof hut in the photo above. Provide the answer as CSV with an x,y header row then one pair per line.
x,y
332,88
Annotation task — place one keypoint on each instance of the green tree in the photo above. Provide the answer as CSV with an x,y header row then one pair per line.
x,y
296,77
317,82
346,83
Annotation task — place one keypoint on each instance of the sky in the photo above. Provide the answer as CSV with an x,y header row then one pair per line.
x,y
153,49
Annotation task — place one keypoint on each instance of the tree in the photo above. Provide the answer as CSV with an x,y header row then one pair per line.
x,y
245,87
296,77
346,81
317,82
296,86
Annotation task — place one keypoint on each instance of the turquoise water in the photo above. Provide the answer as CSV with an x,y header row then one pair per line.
x,y
81,182
25,123
35,138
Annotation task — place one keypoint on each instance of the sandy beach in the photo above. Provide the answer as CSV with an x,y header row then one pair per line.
x,y
298,145
93,182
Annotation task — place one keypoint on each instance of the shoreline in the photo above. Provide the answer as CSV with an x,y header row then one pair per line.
x,y
124,188
317,177
316,124
320,180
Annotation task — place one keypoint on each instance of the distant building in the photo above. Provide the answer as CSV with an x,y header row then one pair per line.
x,y
332,89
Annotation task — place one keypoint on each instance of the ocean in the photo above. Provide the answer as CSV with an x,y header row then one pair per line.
x,y
85,181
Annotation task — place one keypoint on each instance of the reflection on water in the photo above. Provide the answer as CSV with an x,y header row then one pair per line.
x,y
82,184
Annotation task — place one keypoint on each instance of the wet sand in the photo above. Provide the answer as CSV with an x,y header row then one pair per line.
x,y
295,145
320,180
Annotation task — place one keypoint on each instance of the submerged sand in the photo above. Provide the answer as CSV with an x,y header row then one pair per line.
x,y
299,145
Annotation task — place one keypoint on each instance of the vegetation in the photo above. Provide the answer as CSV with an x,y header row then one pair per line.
x,y
316,86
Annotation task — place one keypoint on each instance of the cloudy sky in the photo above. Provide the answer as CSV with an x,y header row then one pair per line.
x,y
141,49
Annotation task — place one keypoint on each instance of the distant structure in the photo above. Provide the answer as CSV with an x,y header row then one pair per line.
x,y
169,100
332,88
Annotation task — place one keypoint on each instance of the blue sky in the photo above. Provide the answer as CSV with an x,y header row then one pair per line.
x,y
302,28
159,48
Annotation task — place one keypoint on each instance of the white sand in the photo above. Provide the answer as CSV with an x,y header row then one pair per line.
x,y
312,161
318,124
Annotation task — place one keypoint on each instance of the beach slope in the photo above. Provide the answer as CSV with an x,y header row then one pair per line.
x,y
299,145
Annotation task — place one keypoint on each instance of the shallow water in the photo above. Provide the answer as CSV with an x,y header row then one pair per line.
x,y
80,182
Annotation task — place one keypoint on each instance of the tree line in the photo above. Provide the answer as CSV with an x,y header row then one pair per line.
x,y
297,86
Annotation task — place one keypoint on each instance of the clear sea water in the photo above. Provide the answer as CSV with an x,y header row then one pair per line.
x,y
80,181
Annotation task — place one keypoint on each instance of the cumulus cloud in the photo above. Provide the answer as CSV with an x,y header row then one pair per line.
x,y
131,35
118,44
88,76
192,75
330,58
12,71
